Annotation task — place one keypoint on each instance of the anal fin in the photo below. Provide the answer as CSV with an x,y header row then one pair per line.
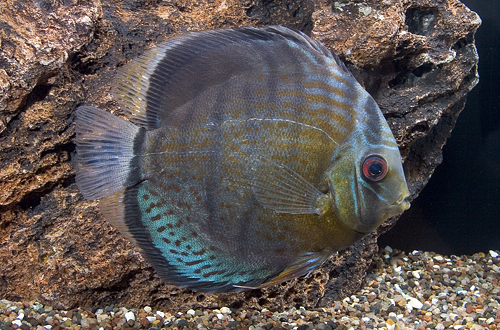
x,y
113,209
304,264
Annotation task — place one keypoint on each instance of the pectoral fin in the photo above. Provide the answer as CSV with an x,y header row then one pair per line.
x,y
281,189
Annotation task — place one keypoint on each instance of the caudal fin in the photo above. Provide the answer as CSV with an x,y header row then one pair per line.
x,y
105,152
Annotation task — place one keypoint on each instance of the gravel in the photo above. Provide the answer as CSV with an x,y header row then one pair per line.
x,y
419,290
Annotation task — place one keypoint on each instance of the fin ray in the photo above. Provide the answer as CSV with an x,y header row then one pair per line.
x,y
152,86
105,148
281,189
305,263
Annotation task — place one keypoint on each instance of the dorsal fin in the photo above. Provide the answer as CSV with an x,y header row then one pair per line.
x,y
170,75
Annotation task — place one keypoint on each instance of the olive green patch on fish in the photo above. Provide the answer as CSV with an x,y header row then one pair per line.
x,y
251,155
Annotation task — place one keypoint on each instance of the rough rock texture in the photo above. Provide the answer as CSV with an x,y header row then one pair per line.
x,y
416,57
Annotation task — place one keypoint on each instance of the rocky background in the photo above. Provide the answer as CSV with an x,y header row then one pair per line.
x,y
416,57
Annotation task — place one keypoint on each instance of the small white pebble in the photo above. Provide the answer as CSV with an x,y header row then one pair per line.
x,y
493,254
17,322
160,314
191,312
129,316
102,318
438,258
99,311
439,326
48,326
147,309
415,303
220,316
151,319
225,310
416,274
388,249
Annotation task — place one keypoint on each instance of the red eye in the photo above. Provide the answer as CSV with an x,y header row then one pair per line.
x,y
374,168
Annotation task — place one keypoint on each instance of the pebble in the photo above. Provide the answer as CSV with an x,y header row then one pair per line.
x,y
225,310
445,292
129,316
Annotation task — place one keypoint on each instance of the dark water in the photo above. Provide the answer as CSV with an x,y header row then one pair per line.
x,y
458,212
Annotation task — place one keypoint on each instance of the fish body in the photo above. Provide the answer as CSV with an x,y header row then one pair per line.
x,y
250,156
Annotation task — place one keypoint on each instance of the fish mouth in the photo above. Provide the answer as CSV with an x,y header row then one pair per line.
x,y
399,206
402,203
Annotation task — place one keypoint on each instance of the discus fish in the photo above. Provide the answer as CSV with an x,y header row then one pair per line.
x,y
251,155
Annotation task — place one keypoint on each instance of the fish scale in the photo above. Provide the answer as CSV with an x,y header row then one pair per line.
x,y
251,155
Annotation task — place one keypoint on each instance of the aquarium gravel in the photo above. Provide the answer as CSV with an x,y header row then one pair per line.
x,y
419,290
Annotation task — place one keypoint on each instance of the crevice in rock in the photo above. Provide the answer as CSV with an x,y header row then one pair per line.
x,y
58,149
421,20
124,282
410,79
82,65
463,42
33,199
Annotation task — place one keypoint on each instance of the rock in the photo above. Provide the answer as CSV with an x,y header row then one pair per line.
x,y
182,323
416,57
145,322
129,316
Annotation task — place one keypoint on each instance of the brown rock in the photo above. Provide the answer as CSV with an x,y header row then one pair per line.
x,y
144,322
469,308
416,57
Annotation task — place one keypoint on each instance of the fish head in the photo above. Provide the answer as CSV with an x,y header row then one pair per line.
x,y
368,186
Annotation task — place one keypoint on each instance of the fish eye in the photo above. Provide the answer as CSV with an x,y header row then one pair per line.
x,y
374,168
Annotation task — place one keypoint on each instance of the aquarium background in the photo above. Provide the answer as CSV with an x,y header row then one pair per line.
x,y
458,212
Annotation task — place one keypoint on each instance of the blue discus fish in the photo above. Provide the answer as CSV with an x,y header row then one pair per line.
x,y
251,155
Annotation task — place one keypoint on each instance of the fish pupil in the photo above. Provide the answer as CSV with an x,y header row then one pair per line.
x,y
375,169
